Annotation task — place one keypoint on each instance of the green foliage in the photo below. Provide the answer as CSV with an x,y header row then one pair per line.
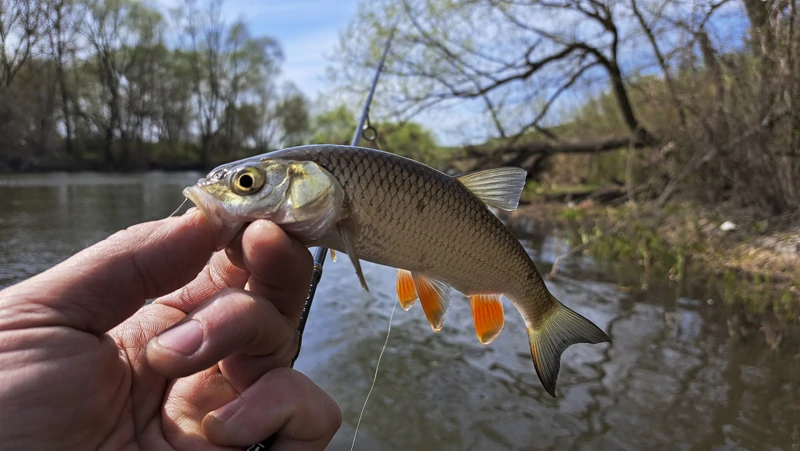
x,y
294,119
412,141
334,127
408,139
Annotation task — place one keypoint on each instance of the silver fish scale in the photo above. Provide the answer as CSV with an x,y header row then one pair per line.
x,y
411,216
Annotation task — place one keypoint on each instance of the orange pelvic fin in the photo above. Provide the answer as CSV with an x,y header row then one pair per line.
x,y
406,291
333,255
487,313
434,296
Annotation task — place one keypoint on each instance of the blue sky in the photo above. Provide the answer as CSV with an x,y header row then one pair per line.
x,y
307,30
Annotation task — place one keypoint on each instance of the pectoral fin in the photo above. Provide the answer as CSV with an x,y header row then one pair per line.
x,y
406,291
499,187
487,313
434,296
350,248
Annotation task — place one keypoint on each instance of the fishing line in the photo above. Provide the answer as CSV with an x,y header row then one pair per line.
x,y
179,207
374,378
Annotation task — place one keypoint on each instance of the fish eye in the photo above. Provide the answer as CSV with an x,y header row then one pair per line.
x,y
247,180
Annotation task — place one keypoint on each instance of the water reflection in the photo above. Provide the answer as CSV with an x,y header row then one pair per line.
x,y
44,218
678,375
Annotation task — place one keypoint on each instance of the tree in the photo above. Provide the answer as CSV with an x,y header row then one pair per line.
x,y
408,139
411,140
64,21
228,67
526,66
334,127
119,31
499,53
292,113
21,26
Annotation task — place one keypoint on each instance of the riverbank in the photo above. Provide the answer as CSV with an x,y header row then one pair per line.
x,y
31,165
142,157
754,261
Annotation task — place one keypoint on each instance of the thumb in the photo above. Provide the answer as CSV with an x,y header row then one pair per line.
x,y
104,284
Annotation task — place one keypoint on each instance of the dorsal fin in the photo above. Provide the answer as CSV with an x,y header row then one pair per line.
x,y
498,187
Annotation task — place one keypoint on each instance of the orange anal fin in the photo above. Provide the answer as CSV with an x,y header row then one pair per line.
x,y
434,296
487,313
406,291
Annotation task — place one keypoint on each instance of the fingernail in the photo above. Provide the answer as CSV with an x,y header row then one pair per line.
x,y
225,412
184,339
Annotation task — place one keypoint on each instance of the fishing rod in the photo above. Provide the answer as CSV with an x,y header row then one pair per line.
x,y
322,252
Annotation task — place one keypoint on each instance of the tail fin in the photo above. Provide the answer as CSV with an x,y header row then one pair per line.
x,y
556,333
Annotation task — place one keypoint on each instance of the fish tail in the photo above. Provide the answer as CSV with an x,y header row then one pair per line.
x,y
560,329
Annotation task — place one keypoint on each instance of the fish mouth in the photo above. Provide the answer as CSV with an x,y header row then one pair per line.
x,y
224,226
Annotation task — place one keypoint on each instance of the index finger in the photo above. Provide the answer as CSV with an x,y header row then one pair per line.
x,y
281,276
104,284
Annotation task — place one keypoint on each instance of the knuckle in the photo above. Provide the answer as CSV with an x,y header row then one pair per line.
x,y
279,343
332,415
228,309
284,377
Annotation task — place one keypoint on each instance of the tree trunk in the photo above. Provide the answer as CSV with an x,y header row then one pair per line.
x,y
108,142
205,149
62,78
640,134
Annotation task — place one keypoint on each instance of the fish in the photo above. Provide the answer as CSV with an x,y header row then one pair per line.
x,y
438,231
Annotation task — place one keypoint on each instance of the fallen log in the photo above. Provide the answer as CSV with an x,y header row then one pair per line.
x,y
600,195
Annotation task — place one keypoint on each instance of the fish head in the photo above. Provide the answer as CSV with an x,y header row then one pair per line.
x,y
300,196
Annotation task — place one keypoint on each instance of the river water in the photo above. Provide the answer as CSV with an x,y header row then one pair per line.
x,y
681,372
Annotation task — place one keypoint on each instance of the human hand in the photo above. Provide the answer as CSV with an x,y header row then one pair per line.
x,y
84,365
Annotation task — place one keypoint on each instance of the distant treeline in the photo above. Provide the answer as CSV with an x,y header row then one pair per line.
x,y
118,85
95,82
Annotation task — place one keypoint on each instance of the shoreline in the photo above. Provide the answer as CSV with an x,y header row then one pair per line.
x,y
103,169
755,261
